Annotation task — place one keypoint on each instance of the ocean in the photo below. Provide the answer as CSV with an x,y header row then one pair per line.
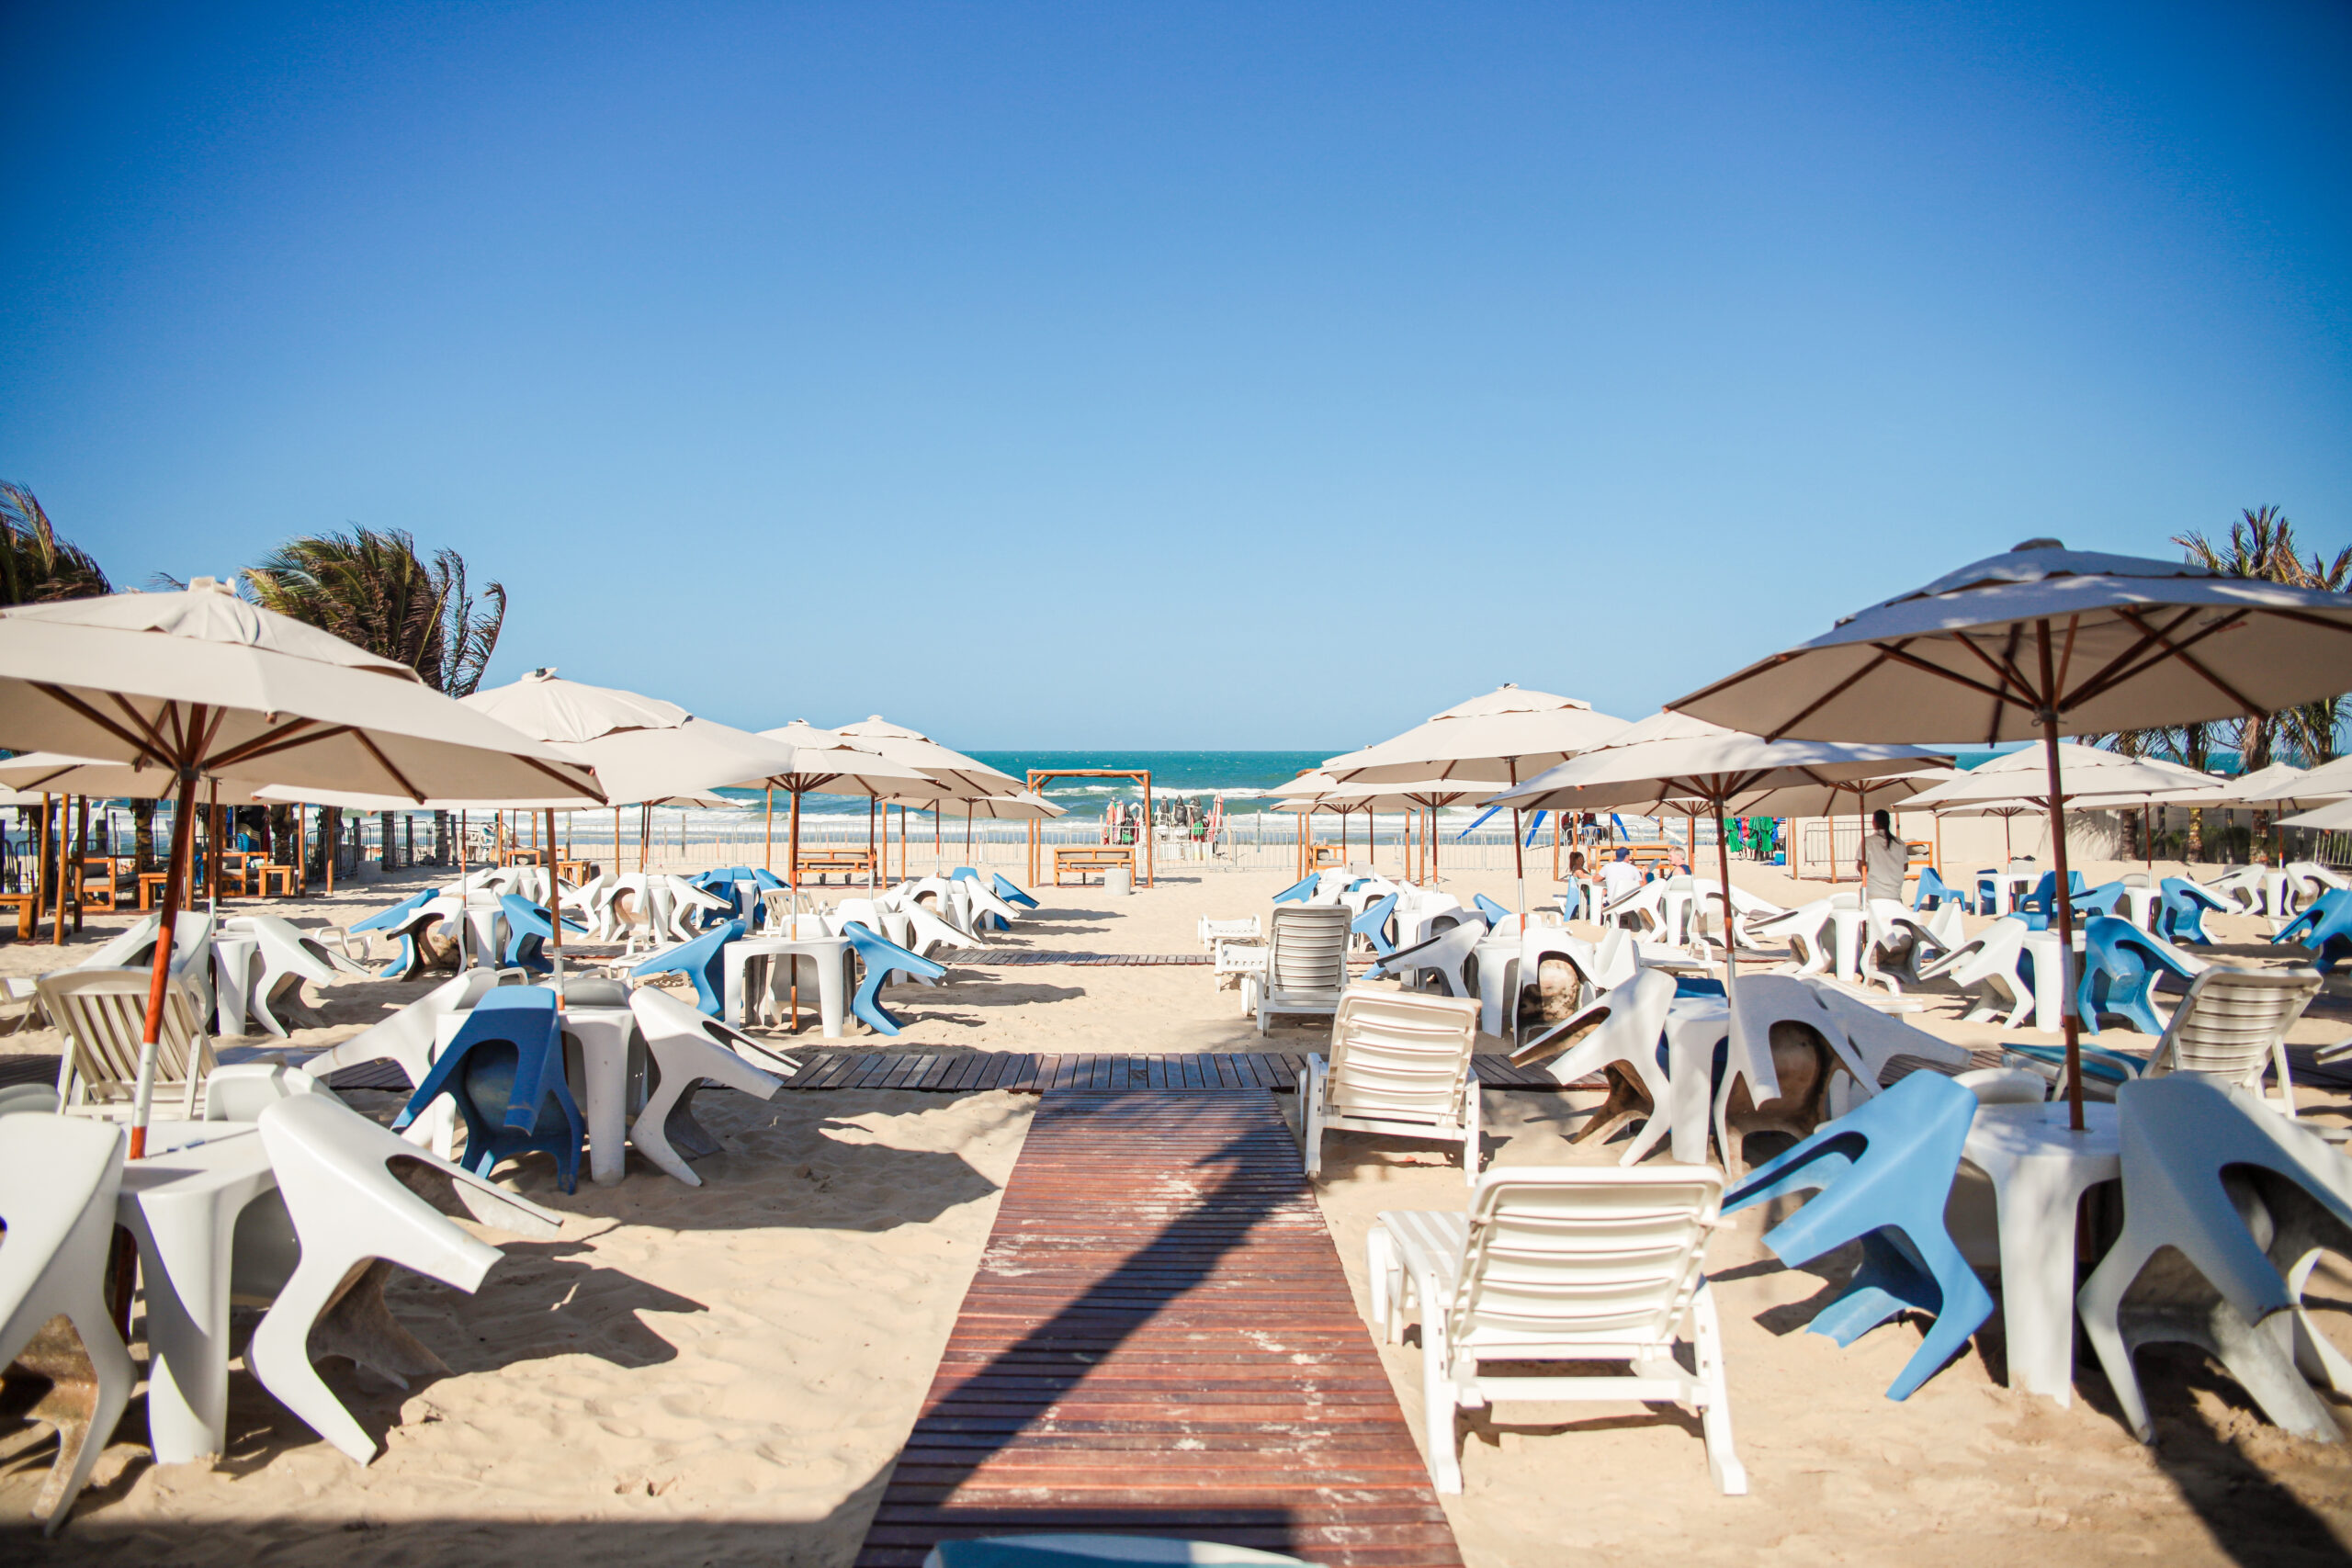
x,y
1196,774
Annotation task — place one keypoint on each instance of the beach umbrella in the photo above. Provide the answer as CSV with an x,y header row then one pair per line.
x,y
1500,738
1016,805
2040,643
1673,756
826,763
2096,780
201,683
2335,816
969,776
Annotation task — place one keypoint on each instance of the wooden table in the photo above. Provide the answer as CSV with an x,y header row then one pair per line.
x,y
1085,858
23,904
822,862
151,887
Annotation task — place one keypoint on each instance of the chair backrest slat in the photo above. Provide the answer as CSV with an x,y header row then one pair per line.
x,y
1307,950
1583,1256
2232,1021
1402,1054
102,1013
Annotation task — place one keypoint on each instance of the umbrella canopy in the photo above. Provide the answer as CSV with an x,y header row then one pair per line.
x,y
1500,738
202,680
972,778
2336,815
48,770
203,684
1672,756
2092,775
2278,783
2044,641
642,749
1020,805
825,762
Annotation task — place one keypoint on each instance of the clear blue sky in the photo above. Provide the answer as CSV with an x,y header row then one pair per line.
x,y
1173,376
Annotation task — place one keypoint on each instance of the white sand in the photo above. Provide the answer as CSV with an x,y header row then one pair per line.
x,y
737,1365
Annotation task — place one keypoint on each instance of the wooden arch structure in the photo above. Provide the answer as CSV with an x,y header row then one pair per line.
x,y
1141,776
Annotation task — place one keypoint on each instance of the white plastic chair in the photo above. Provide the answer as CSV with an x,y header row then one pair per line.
x,y
59,1177
1806,930
102,1013
191,952
1306,963
407,1039
1990,966
348,1209
1621,1029
1446,953
1759,1003
1565,1264
288,955
1246,927
689,1049
1400,1065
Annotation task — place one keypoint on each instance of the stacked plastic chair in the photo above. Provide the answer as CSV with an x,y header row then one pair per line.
x,y
881,959
2037,907
1883,1174
2325,928
405,921
2120,964
2180,913
1933,892
1299,892
504,1070
2225,1208
1373,924
528,929
701,961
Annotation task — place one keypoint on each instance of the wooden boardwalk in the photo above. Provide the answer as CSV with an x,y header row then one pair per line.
x,y
1159,1341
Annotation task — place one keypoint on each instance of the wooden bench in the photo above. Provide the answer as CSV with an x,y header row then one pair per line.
x,y
821,862
286,876
151,887
1086,859
23,904
1326,854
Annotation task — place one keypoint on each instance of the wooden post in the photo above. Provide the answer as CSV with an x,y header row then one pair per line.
x,y
64,822
40,865
166,937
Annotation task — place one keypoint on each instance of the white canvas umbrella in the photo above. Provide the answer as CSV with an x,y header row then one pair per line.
x,y
1672,756
824,763
2335,816
206,686
2329,781
968,778
1498,738
2023,777
2043,642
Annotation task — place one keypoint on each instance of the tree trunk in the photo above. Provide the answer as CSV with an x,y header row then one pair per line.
x,y
2196,832
143,833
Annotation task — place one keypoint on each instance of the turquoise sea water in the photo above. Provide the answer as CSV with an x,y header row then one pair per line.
x,y
1199,774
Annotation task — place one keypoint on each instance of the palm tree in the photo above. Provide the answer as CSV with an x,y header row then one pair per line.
x,y
36,566
371,587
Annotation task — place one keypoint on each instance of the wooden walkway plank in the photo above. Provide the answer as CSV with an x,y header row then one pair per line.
x,y
1159,1340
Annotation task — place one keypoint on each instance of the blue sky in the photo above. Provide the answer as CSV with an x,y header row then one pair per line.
x,y
1198,375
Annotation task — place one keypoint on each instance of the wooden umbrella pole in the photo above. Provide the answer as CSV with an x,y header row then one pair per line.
x,y
2062,886
792,863
1723,868
555,911
159,977
58,842
81,849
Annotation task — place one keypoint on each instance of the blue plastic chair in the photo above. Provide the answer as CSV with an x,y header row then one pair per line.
x,y
2037,907
528,929
703,961
505,1069
402,919
1932,891
1988,889
1373,924
2180,913
2120,969
2100,1063
1299,892
1011,894
882,959
2107,898
1883,1172
2329,934
2306,920
1496,914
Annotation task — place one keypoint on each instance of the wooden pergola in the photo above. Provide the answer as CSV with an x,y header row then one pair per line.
x,y
1141,776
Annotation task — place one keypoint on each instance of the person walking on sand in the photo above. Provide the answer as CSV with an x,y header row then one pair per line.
x,y
1885,859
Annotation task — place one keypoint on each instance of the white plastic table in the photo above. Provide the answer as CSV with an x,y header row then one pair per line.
x,y
2040,1170
828,954
181,1206
2051,989
1846,930
1694,1027
233,980
604,1036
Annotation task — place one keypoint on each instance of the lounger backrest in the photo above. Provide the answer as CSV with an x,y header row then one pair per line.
x,y
1594,1257
1309,949
1400,1056
2231,1023
102,1014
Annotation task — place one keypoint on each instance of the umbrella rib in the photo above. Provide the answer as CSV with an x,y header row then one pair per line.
x,y
2149,636
2307,618
2066,653
1833,693
2003,669
2110,678
398,777
276,739
141,721
1897,654
144,747
2180,651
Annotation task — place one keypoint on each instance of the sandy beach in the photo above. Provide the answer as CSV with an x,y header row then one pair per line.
x,y
725,1375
